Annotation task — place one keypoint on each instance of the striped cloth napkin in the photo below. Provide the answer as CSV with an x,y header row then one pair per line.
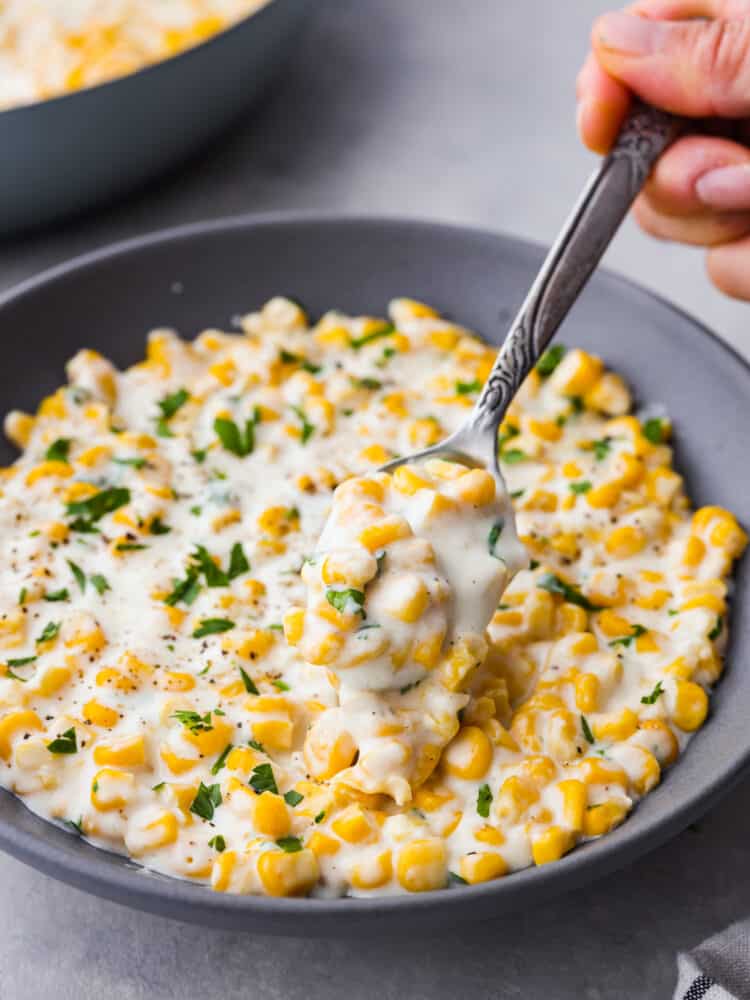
x,y
718,969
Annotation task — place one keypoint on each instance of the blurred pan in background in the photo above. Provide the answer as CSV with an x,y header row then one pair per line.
x,y
69,153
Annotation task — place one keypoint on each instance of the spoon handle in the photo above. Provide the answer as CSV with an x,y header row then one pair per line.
x,y
583,239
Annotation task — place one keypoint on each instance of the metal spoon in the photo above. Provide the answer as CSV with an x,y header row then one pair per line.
x,y
600,209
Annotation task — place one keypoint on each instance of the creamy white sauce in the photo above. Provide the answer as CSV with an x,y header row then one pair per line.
x,y
225,453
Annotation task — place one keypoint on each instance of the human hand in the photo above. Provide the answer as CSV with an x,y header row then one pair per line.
x,y
691,57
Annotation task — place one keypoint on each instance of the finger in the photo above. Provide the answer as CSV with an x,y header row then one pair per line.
x,y
729,268
696,68
688,177
708,230
602,106
679,10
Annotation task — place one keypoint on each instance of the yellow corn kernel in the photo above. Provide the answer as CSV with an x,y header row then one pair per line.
x,y
294,625
274,733
613,624
413,599
586,643
111,789
625,541
516,795
22,721
129,752
547,430
100,715
571,618
376,454
691,706
407,481
482,866
374,874
425,432
650,774
354,826
175,763
443,340
616,727
597,772
52,680
403,308
421,865
221,872
574,794
377,536
19,427
695,550
210,741
603,817
655,600
541,500
476,487
250,644
93,456
489,835
587,692
469,755
48,470
551,845
646,643
577,373
604,496
53,406
288,874
271,815
321,844
566,543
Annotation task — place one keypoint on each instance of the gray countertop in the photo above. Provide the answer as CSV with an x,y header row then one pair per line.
x,y
462,112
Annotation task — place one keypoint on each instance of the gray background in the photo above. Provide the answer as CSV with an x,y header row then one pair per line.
x,y
462,112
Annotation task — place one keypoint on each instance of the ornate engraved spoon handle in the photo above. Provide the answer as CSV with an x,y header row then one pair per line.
x,y
585,236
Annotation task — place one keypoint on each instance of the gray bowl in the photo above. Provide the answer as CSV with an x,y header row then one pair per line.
x,y
72,152
201,276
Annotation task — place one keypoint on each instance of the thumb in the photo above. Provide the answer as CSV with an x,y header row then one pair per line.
x,y
695,68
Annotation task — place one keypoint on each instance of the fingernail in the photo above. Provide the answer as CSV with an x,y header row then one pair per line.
x,y
725,188
626,33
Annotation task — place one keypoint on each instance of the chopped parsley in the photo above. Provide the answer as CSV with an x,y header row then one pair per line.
x,y
290,845
21,661
199,454
550,360
88,512
716,630
512,456
262,779
218,843
99,583
650,699
248,682
193,721
601,448
281,685
58,451
65,743
307,429
168,407
468,388
554,585
238,562
130,547
213,574
495,532
583,487
627,640
49,632
383,331
238,442
320,816
367,383
212,626
157,527
221,759
184,590
348,600
586,730
256,745
293,798
484,800
78,574
207,799
455,879
57,595
136,462
653,430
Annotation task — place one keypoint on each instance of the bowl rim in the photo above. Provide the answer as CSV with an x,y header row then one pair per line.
x,y
152,67
180,898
